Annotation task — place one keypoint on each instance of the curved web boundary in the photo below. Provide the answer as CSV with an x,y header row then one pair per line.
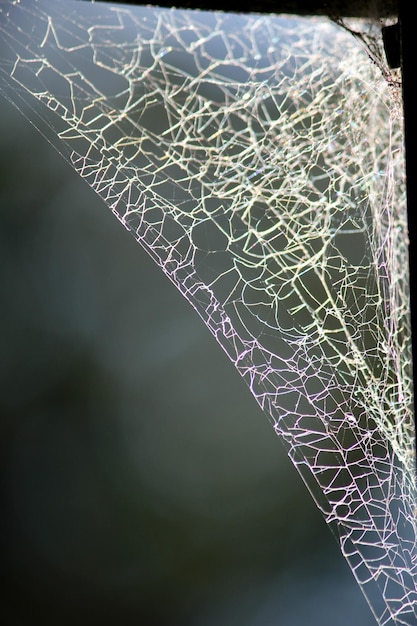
x,y
259,161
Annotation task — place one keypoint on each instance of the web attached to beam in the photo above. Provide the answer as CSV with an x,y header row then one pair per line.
x,y
258,160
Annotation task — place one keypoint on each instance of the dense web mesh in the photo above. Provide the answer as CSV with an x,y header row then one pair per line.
x,y
259,161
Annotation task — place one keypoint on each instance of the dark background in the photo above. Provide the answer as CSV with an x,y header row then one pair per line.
x,y
141,484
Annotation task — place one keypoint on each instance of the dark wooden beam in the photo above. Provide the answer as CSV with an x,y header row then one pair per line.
x,y
408,44
334,8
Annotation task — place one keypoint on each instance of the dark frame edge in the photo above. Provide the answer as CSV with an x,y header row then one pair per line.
x,y
407,35
377,9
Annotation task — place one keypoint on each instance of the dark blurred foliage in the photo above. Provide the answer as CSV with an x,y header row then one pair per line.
x,y
141,484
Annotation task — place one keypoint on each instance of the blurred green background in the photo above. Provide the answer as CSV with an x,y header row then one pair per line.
x,y
141,483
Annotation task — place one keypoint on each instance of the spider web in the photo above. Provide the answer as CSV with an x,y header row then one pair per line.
x,y
259,161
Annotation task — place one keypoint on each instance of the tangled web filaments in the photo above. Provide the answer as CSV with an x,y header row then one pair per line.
x,y
259,161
